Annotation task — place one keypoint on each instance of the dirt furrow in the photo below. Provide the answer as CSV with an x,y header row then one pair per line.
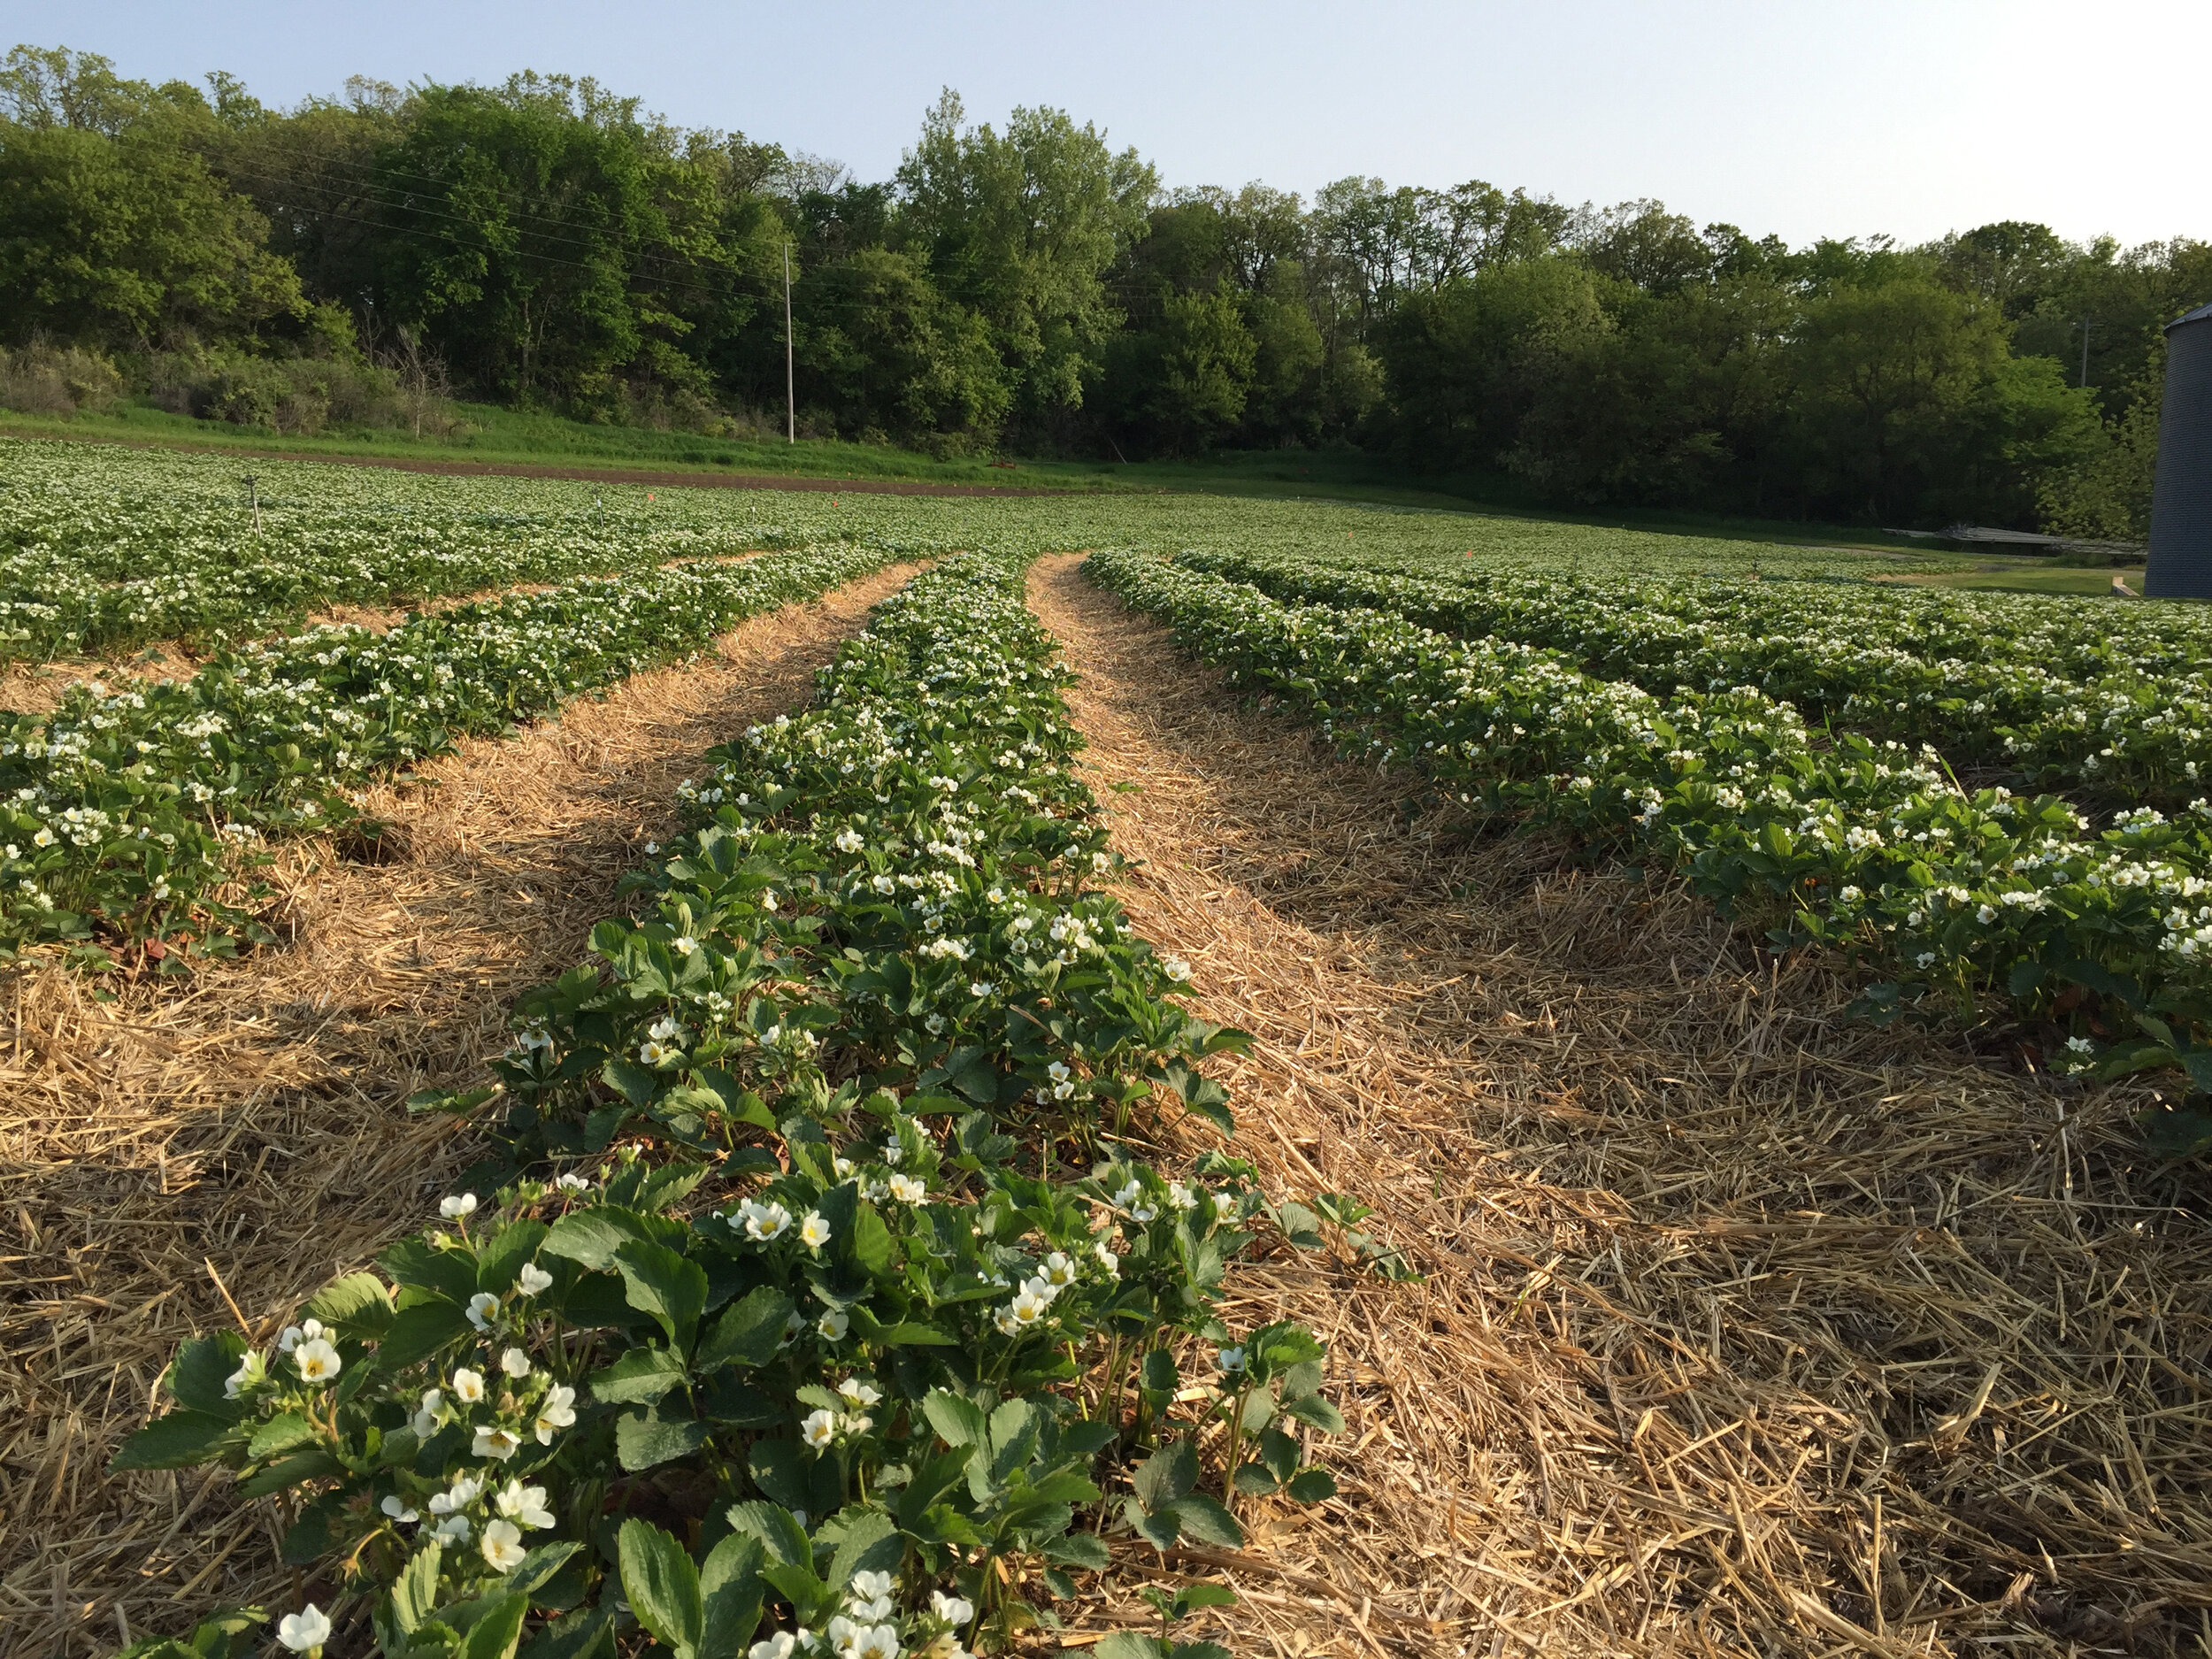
x,y
179,1158
1743,1326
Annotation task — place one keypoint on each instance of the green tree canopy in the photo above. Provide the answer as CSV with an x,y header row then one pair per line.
x,y
1021,227
548,242
113,231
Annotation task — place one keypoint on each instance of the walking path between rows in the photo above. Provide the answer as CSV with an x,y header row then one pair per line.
x,y
244,1139
1744,1325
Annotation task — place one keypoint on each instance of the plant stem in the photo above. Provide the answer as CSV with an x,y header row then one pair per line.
x,y
1236,1437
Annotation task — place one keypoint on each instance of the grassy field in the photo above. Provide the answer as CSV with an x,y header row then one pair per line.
x,y
2031,576
505,436
502,437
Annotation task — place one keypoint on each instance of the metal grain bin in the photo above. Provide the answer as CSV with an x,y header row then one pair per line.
x,y
2181,499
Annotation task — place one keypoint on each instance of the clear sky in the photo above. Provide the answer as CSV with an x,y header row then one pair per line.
x,y
1843,118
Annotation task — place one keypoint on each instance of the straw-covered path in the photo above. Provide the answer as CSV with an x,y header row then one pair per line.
x,y
1745,1328
177,1160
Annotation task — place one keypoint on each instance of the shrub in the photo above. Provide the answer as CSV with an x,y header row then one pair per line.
x,y
41,379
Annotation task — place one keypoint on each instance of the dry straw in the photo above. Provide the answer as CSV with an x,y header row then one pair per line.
x,y
1746,1328
178,1159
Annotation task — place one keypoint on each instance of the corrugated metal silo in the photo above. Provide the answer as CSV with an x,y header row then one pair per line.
x,y
2181,498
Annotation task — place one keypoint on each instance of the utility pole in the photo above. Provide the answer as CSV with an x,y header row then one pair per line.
x,y
2086,324
790,384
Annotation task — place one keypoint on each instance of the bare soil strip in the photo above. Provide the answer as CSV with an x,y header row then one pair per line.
x,y
1745,1328
176,1162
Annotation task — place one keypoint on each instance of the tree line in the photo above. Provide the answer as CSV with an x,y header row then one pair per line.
x,y
1026,286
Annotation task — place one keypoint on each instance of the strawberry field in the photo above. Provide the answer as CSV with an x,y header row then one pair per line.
x,y
853,1247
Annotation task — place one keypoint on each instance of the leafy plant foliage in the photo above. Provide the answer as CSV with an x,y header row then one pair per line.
x,y
815,1314
1858,842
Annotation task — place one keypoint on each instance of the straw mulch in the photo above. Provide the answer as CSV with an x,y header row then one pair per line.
x,y
1745,1329
181,1158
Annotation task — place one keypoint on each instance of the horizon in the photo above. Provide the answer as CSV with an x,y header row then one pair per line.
x,y
1838,155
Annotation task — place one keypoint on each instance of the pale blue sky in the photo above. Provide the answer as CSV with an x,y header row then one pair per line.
x,y
1840,118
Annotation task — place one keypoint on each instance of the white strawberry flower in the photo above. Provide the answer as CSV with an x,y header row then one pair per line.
x,y
555,1411
252,1371
495,1443
482,1306
533,1279
305,1631
764,1222
457,1207
819,1428
1028,1306
523,1505
814,1232
464,1491
468,1386
515,1363
317,1360
501,1546
869,1596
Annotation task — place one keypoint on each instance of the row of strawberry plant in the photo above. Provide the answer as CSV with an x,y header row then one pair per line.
x,y
127,814
1871,847
2058,693
102,548
844,1307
